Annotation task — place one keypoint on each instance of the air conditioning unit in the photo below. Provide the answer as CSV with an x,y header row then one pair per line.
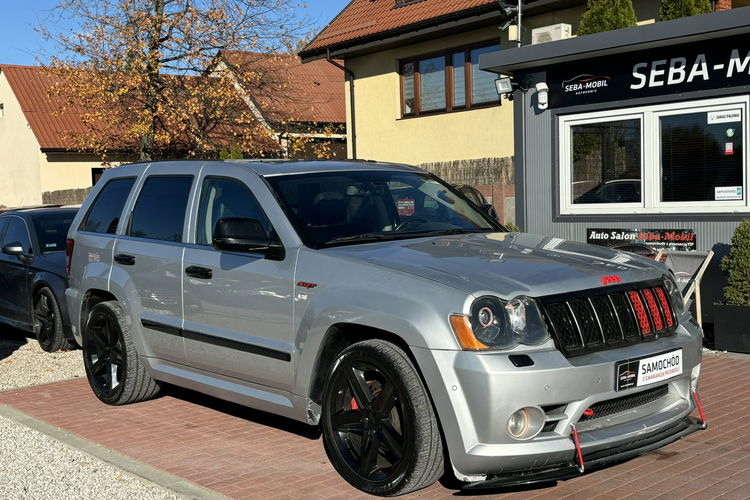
x,y
550,33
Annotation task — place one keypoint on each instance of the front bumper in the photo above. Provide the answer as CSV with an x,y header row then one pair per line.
x,y
596,460
475,394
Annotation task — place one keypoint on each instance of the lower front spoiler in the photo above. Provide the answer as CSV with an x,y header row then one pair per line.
x,y
595,460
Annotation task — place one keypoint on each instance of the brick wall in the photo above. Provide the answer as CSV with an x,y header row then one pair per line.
x,y
723,5
493,177
65,196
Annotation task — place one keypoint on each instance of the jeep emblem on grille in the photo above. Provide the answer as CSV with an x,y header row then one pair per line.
x,y
611,280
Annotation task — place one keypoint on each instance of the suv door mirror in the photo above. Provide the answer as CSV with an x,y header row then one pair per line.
x,y
237,234
14,248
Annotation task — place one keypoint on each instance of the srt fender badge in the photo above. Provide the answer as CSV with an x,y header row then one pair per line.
x,y
611,280
305,284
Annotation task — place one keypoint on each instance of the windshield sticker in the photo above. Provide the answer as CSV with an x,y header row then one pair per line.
x,y
405,207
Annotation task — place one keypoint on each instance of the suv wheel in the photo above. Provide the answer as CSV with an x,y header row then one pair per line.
x,y
48,322
379,428
115,371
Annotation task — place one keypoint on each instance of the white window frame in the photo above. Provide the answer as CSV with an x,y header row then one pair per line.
x,y
649,117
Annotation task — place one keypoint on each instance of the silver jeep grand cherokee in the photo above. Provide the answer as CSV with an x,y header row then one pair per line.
x,y
375,301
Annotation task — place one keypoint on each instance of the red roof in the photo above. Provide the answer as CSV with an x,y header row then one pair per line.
x,y
312,92
47,115
363,18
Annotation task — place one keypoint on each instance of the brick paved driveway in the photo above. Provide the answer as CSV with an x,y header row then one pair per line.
x,y
246,454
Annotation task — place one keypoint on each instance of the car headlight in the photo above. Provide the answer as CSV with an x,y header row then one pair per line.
x,y
499,324
675,296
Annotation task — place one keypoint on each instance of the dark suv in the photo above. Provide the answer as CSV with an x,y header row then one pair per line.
x,y
32,273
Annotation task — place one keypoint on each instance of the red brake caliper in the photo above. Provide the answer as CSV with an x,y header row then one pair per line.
x,y
355,406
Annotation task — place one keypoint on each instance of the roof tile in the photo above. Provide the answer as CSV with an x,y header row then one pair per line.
x,y
368,17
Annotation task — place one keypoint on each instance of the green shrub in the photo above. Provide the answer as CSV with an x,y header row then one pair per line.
x,y
235,153
675,9
607,15
736,267
512,227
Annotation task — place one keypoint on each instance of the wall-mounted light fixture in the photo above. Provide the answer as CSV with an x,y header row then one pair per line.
x,y
505,87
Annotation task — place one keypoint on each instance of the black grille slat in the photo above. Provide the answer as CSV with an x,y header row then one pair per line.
x,y
628,322
597,319
565,329
607,318
587,323
625,403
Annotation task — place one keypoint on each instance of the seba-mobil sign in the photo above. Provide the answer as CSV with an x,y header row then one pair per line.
x,y
681,68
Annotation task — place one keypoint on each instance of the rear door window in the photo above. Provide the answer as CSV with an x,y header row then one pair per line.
x,y
52,230
159,213
104,214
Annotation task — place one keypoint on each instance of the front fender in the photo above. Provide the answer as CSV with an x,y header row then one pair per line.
x,y
414,309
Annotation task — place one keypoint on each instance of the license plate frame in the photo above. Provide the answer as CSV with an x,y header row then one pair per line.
x,y
647,370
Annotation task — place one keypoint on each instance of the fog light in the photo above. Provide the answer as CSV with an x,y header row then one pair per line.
x,y
526,423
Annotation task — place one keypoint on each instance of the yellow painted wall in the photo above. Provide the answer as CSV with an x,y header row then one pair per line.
x,y
63,171
383,135
20,182
481,133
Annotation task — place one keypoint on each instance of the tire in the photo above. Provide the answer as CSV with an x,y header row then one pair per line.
x,y
48,322
379,429
115,371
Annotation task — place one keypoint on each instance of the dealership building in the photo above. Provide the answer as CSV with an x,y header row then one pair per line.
x,y
636,135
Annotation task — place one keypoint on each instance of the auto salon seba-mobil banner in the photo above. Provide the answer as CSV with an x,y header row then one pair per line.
x,y
657,239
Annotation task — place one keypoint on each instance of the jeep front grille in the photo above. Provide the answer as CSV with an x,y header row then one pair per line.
x,y
595,320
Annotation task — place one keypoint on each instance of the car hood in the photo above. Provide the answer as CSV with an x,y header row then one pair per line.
x,y
508,264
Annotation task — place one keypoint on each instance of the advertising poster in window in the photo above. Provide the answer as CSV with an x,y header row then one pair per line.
x,y
643,241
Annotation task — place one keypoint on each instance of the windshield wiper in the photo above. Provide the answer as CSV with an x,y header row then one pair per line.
x,y
359,238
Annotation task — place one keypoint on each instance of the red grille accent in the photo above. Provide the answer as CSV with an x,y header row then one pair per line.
x,y
665,306
640,312
658,323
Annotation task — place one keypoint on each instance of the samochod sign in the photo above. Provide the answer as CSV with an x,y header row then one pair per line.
x,y
658,239
681,68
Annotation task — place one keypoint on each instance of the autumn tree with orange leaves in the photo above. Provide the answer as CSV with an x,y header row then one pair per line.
x,y
146,75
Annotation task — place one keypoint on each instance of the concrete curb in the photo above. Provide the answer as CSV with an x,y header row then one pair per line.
x,y
146,473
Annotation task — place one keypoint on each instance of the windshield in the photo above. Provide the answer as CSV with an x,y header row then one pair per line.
x,y
52,230
337,208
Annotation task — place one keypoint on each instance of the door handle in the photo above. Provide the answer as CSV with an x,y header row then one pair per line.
x,y
125,259
203,273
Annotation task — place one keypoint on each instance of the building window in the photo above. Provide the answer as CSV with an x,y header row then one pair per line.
x,y
667,158
447,81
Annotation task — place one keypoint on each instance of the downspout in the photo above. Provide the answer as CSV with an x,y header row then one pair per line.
x,y
350,77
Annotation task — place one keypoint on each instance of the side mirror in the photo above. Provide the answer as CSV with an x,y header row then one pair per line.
x,y
14,248
491,211
237,234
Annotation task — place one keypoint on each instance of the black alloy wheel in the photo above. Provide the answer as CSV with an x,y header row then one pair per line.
x,y
379,428
104,355
47,322
116,373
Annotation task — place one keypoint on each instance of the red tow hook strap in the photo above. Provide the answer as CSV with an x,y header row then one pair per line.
x,y
578,449
700,408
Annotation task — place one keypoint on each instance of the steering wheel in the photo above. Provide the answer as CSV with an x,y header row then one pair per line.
x,y
410,220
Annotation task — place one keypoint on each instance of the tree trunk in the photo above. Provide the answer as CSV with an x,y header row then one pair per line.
x,y
153,81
